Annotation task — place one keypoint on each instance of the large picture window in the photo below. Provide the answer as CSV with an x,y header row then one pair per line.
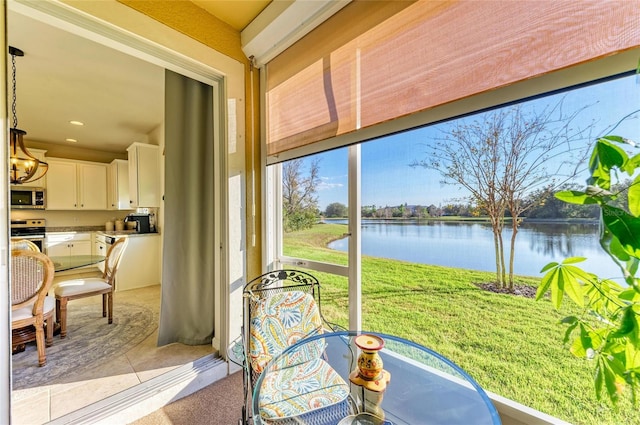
x,y
427,240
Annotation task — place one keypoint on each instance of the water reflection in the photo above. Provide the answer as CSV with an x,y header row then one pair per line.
x,y
561,240
470,245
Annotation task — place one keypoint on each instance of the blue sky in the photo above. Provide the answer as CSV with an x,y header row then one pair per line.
x,y
387,178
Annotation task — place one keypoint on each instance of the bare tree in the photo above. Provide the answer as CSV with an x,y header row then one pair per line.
x,y
539,150
501,156
299,200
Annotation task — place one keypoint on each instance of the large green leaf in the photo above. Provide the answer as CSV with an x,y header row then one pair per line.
x,y
573,278
545,283
630,294
573,324
625,227
632,357
608,371
634,162
612,245
548,266
612,138
605,156
581,344
634,197
575,197
564,278
628,325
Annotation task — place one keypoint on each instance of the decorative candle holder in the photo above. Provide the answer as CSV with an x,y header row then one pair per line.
x,y
370,373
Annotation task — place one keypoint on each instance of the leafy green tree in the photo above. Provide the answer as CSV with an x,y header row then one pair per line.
x,y
607,333
543,204
299,200
335,209
368,211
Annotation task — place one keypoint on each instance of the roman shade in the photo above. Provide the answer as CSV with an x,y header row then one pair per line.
x,y
374,62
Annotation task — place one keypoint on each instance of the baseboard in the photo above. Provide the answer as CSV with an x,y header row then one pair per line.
x,y
147,397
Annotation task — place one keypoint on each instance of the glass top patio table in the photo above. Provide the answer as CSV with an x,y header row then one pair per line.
x,y
69,262
424,387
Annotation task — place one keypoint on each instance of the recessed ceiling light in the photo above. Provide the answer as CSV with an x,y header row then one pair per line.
x,y
76,122
71,140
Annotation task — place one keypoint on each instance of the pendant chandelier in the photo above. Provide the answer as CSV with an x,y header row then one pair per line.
x,y
24,167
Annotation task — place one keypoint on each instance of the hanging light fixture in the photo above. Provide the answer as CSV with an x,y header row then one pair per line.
x,y
24,167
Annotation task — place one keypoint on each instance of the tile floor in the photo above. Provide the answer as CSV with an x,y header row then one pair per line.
x,y
145,361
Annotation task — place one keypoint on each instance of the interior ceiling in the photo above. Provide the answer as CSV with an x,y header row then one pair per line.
x,y
64,77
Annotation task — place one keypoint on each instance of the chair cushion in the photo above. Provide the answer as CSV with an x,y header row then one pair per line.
x,y
280,321
302,388
69,288
27,311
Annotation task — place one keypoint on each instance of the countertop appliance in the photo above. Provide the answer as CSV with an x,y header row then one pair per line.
x,y
30,229
27,198
143,222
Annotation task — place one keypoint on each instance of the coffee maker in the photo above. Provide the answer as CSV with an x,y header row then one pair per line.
x,y
143,222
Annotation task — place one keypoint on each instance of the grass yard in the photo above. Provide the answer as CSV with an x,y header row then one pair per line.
x,y
510,345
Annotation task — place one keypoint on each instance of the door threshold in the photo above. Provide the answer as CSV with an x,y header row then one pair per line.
x,y
149,396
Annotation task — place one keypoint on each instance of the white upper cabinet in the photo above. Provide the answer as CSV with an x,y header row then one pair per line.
x,y
118,185
76,185
144,173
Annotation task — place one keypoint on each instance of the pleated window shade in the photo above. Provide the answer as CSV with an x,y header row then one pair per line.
x,y
377,61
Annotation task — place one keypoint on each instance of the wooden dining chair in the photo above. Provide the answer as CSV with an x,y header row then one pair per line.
x,y
91,286
31,278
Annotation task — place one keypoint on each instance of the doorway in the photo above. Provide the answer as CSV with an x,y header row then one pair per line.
x,y
83,26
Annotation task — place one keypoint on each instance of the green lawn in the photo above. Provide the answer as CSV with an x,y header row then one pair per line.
x,y
511,345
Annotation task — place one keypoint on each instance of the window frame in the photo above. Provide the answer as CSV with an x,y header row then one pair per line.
x,y
567,79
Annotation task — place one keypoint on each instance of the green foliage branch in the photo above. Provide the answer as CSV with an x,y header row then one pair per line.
x,y
607,333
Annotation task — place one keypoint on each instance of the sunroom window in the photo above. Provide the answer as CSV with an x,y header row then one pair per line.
x,y
424,241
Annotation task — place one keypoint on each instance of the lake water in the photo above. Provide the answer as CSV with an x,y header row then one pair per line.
x,y
470,245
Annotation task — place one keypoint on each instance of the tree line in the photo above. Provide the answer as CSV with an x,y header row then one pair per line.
x,y
540,204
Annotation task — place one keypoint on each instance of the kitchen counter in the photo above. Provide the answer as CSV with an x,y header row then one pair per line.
x,y
125,233
76,229
97,229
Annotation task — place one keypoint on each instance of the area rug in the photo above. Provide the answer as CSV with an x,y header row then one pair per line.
x,y
89,339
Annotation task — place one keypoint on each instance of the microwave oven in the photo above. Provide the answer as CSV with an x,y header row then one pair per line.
x,y
28,198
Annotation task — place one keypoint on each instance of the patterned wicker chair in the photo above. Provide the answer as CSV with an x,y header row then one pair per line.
x,y
281,308
24,244
31,278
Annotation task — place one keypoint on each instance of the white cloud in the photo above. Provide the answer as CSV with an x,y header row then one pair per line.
x,y
325,183
328,186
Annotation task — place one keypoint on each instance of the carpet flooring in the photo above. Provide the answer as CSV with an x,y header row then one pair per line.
x,y
217,404
89,339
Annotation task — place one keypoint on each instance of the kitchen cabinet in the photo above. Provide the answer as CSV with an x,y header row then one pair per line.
x,y
39,155
69,243
118,185
144,172
141,263
76,185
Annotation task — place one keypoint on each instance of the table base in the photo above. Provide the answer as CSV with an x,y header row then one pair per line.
x,y
21,337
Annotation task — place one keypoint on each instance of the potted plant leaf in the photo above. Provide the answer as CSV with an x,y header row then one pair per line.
x,y
607,332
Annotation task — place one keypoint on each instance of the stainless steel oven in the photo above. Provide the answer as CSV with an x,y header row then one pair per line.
x,y
31,229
